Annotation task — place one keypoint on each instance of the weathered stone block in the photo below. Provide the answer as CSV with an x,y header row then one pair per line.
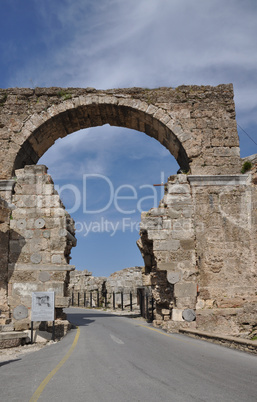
x,y
21,325
178,189
186,302
186,289
167,245
188,244
173,214
167,266
177,314
56,259
158,234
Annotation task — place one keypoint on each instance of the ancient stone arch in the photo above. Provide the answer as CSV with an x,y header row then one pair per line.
x,y
87,111
196,123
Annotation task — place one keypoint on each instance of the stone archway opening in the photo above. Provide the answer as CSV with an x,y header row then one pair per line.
x,y
105,191
58,126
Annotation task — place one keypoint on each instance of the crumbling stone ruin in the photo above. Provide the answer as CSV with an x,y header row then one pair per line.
x,y
199,246
199,249
82,282
127,281
41,235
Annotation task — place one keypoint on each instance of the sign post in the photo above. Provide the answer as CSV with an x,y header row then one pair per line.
x,y
42,309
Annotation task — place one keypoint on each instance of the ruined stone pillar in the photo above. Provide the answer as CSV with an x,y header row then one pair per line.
x,y
170,230
41,237
6,187
199,248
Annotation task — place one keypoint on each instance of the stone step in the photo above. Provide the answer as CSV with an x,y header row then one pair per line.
x,y
6,328
12,339
12,335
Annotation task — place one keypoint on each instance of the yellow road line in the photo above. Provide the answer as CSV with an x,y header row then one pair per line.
x,y
44,383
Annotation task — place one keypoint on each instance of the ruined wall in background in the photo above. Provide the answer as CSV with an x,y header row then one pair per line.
x,y
41,237
82,283
200,253
126,280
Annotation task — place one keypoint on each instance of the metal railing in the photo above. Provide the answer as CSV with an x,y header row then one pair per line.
x,y
142,302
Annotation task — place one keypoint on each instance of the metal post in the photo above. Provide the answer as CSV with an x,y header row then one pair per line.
x,y
53,333
98,298
31,335
147,311
72,299
113,300
121,296
84,299
130,296
141,303
91,298
78,299
152,302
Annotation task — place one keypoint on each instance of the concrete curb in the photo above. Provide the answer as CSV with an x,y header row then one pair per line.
x,y
245,345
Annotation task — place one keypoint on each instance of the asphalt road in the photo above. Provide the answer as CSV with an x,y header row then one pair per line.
x,y
121,359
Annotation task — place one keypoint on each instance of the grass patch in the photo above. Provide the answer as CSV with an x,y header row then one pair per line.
x,y
246,167
64,95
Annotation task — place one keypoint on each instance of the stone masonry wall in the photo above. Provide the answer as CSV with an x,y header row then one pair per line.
x,y
41,237
127,280
84,281
201,244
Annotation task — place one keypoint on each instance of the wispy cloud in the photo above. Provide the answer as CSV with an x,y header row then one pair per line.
x,y
100,150
149,43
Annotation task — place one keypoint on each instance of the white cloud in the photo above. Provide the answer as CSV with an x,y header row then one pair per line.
x,y
98,150
149,43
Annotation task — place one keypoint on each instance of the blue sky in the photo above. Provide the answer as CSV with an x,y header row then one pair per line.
x,y
123,43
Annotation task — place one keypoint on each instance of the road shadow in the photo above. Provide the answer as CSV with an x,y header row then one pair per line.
x,y
86,317
8,361
79,320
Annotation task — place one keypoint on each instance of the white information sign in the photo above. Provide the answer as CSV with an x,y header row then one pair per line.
x,y
42,306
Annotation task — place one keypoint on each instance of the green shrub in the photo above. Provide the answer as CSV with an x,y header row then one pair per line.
x,y
246,166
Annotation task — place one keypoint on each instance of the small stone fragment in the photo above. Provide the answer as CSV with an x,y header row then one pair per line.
x,y
189,315
20,312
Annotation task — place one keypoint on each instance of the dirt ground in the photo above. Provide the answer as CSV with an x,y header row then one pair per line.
x,y
18,351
